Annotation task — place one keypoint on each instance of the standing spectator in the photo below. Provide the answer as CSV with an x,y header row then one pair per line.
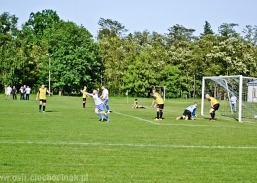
x,y
27,91
8,92
105,97
14,93
22,93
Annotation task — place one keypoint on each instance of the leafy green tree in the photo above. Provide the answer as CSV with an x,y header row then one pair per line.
x,y
9,62
40,21
35,47
147,56
110,28
171,78
73,54
233,56
179,33
250,34
74,57
207,29
228,30
112,53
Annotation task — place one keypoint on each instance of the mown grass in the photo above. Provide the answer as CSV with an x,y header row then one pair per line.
x,y
133,147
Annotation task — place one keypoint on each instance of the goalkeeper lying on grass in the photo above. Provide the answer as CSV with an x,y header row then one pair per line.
x,y
189,112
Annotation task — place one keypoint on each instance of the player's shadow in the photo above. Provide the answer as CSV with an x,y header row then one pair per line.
x,y
52,111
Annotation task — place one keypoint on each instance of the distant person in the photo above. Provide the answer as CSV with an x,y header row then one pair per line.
x,y
105,97
14,93
8,92
214,106
84,97
188,112
233,101
27,92
24,92
136,106
21,93
99,105
41,94
158,100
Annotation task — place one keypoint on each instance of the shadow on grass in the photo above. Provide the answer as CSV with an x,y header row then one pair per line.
x,y
51,111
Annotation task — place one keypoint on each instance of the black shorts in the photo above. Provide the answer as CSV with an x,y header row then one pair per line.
x,y
43,100
187,113
216,107
84,99
160,106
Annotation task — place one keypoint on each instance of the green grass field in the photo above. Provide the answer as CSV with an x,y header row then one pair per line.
x,y
69,144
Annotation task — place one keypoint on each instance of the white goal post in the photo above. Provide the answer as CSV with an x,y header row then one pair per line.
x,y
224,87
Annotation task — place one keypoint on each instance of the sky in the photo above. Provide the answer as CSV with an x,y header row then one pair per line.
x,y
140,15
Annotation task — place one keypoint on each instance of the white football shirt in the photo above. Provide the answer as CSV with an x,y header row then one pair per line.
x,y
96,98
105,94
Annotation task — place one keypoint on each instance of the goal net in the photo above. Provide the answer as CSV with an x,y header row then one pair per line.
x,y
237,96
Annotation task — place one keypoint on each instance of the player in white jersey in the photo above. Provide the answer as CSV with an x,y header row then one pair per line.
x,y
233,100
99,106
105,97
187,114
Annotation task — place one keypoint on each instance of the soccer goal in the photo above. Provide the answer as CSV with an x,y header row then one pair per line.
x,y
237,96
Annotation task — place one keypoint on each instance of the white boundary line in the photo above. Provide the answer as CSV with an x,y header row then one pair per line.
x,y
152,122
163,124
128,145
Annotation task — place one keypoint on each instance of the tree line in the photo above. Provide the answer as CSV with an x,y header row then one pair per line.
x,y
133,62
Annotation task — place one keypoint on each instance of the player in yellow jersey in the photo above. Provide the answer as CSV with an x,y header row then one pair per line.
x,y
160,104
84,96
41,94
136,106
214,106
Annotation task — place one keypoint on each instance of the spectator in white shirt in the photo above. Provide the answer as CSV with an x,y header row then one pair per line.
x,y
27,91
8,92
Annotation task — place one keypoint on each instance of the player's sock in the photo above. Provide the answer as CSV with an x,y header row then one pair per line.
x,y
158,114
84,105
40,106
44,108
107,117
161,114
213,114
107,107
100,115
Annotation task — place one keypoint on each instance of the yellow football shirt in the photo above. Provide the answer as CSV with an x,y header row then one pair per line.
x,y
42,93
84,95
158,98
213,101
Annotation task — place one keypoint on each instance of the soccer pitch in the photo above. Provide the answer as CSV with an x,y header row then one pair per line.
x,y
69,144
